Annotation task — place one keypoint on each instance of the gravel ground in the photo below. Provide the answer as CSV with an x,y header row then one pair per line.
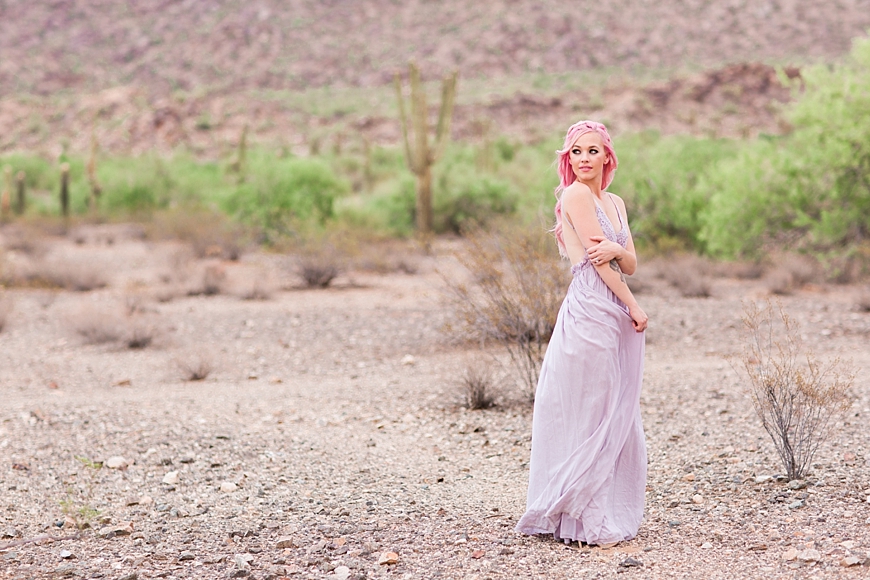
x,y
328,437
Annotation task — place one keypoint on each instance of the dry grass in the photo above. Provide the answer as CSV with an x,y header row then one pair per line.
x,y
212,281
5,309
97,323
210,234
795,396
196,367
140,334
517,285
477,386
689,274
792,271
258,287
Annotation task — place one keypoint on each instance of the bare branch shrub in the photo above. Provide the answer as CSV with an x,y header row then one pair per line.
x,y
5,309
477,386
794,394
214,277
196,367
517,286
257,288
863,302
688,274
97,324
139,334
209,233
792,272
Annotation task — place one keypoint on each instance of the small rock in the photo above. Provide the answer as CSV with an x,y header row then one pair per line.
x,y
478,554
171,478
706,546
69,523
790,555
122,529
757,547
229,487
409,360
65,570
67,555
341,573
796,504
243,561
810,555
762,478
116,462
697,498
285,543
688,477
630,563
797,484
10,533
131,576
388,558
849,561
185,556
673,523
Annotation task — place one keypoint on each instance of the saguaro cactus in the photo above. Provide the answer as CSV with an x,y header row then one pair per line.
x,y
64,189
6,193
19,207
422,155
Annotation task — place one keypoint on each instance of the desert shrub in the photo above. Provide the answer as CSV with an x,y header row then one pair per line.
x,y
795,396
659,179
210,233
283,191
863,301
195,367
516,287
139,334
477,386
97,324
318,269
5,309
688,274
808,189
791,272
463,199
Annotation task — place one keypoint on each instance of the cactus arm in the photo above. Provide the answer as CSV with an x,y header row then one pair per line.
x,y
404,121
445,116
419,115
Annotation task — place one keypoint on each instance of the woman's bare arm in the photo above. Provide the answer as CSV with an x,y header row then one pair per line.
x,y
579,206
605,249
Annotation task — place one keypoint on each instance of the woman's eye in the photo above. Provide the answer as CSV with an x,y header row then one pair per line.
x,y
575,151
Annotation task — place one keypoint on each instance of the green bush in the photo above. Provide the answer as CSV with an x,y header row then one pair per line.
x,y
281,192
809,190
658,177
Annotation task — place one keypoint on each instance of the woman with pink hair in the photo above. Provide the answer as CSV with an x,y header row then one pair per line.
x,y
588,466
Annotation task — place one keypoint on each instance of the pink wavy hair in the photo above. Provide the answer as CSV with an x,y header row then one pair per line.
x,y
566,173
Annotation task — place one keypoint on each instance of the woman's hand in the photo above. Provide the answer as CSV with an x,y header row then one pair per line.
x,y
604,251
639,318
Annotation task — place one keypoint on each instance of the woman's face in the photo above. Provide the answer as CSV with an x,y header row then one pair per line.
x,y
588,158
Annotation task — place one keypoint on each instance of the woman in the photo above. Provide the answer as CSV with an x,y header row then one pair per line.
x,y
588,466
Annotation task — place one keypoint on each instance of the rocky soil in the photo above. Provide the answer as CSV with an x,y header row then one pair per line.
x,y
328,440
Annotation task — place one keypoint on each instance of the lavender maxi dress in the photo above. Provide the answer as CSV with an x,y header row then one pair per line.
x,y
587,475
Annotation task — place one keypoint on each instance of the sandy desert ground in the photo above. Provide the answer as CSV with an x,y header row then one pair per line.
x,y
330,434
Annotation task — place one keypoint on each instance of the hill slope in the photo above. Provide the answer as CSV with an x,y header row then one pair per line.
x,y
233,44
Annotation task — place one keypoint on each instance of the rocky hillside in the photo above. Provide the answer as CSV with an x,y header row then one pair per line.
x,y
165,45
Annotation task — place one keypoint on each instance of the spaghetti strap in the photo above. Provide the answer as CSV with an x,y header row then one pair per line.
x,y
616,207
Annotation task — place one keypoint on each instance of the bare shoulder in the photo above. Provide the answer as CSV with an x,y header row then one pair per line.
x,y
576,192
619,201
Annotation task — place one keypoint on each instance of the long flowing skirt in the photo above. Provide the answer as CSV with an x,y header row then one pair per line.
x,y
587,475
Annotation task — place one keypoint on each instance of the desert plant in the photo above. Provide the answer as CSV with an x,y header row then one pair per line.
x,y
863,302
318,271
796,397
196,367
517,286
477,386
96,324
5,309
139,334
80,509
422,155
688,274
